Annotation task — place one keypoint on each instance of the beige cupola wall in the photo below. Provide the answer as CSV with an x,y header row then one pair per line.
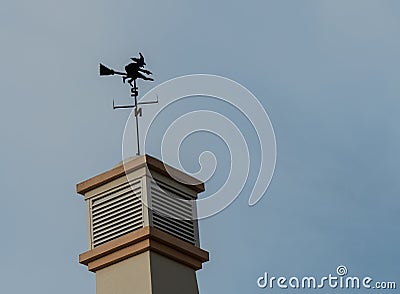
x,y
142,229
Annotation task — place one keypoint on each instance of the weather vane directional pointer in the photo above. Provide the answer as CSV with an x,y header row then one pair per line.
x,y
133,71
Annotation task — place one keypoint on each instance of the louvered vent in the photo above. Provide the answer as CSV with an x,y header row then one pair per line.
x,y
116,212
171,214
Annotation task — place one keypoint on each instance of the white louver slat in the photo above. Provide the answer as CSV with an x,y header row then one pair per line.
x,y
171,213
116,212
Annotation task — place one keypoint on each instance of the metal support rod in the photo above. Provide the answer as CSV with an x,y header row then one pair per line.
x,y
148,102
136,116
137,111
123,106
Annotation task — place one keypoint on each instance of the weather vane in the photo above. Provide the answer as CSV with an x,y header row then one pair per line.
x,y
133,71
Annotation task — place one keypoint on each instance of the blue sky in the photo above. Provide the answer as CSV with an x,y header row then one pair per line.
x,y
327,72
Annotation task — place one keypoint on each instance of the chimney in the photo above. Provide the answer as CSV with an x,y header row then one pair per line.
x,y
135,249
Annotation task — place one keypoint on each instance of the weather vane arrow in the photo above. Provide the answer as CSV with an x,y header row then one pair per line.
x,y
133,71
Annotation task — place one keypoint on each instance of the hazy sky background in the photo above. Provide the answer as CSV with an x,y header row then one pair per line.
x,y
327,72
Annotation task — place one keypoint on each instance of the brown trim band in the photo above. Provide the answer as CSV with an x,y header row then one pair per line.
x,y
136,163
139,241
